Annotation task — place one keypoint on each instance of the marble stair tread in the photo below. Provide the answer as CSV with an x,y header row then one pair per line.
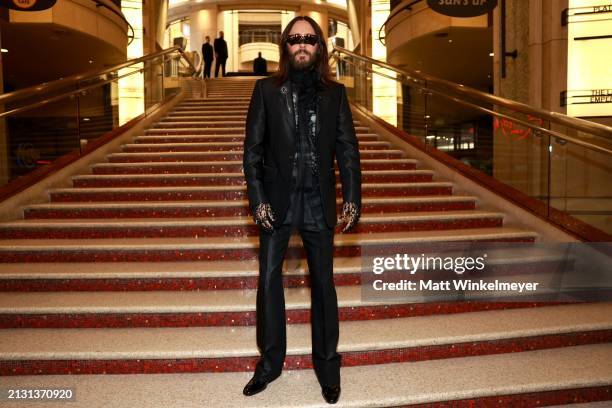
x,y
199,108
160,125
225,268
194,269
240,220
198,118
225,128
213,144
233,188
241,203
389,238
232,162
225,301
230,300
380,385
205,153
157,130
355,336
238,174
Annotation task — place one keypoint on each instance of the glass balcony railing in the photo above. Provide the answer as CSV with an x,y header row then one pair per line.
x,y
555,165
44,122
251,36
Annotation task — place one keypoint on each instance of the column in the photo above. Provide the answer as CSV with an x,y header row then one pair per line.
x,y
202,23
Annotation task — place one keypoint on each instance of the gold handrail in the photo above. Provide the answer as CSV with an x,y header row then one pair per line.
x,y
47,87
588,144
462,91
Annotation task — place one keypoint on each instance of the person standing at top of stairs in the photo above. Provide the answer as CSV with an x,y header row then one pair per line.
x,y
220,47
207,57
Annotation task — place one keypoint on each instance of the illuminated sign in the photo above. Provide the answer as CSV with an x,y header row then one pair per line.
x,y
589,96
462,8
589,60
28,5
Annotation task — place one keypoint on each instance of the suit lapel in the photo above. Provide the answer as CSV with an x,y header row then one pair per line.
x,y
286,101
321,107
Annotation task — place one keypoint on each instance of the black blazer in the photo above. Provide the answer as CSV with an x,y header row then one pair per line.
x,y
207,52
220,47
270,145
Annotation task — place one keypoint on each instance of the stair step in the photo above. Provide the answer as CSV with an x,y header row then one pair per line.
x,y
230,192
364,137
235,248
227,274
144,167
581,373
219,130
221,146
225,156
229,307
235,178
189,111
233,226
361,342
197,208
203,117
203,125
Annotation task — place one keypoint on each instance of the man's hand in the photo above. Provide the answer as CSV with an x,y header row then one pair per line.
x,y
264,216
350,215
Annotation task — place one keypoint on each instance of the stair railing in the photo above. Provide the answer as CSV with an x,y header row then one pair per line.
x,y
559,167
41,123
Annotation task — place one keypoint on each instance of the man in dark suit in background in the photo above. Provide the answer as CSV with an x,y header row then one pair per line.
x,y
220,54
207,57
260,66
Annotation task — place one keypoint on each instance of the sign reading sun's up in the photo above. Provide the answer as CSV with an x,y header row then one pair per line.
x,y
28,5
462,8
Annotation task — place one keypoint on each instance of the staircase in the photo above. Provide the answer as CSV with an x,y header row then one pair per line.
x,y
148,265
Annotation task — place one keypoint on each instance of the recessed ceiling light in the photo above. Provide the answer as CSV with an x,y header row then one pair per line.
x,y
3,50
450,41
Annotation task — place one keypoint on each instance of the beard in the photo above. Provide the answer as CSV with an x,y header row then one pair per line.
x,y
302,63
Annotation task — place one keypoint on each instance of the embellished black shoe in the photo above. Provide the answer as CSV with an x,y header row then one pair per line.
x,y
331,393
254,386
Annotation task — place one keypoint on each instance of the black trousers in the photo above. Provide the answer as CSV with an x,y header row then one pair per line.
x,y
207,66
318,242
222,63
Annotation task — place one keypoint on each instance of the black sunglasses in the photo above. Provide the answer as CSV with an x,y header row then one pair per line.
x,y
310,39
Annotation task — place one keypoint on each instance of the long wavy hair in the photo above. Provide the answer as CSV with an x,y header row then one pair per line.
x,y
322,58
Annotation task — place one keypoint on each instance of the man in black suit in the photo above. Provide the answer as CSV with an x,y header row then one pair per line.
x,y
207,57
260,66
297,121
220,54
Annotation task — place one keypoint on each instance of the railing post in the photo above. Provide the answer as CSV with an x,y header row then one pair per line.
x,y
78,123
163,70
